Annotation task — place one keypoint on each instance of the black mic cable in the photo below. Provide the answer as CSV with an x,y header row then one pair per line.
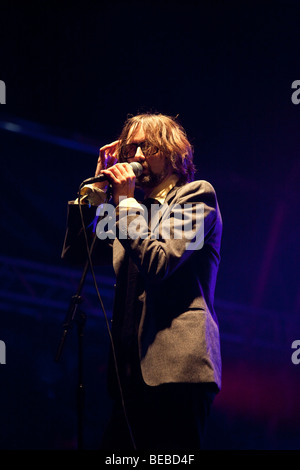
x,y
137,168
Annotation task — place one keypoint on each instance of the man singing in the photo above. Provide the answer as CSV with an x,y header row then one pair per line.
x,y
165,363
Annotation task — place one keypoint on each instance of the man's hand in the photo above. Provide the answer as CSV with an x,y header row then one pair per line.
x,y
106,159
122,178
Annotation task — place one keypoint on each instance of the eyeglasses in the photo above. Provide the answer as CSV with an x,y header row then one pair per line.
x,y
129,150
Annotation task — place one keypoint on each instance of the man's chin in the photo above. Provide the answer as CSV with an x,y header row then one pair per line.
x,y
145,181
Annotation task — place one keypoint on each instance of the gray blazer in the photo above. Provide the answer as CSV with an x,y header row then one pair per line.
x,y
177,328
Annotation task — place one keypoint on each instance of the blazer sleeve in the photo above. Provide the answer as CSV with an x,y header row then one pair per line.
x,y
191,220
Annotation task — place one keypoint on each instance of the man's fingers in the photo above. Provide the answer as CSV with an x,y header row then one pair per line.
x,y
109,148
106,156
120,171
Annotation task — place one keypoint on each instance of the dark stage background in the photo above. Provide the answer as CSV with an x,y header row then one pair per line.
x,y
73,72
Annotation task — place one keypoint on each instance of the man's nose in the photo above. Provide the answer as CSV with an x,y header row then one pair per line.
x,y
139,156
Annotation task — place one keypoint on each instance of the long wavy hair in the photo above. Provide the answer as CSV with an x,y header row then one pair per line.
x,y
165,133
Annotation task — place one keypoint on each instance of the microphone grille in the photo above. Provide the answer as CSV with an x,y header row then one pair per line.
x,y
137,168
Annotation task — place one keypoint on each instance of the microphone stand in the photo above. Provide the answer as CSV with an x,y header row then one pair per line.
x,y
75,301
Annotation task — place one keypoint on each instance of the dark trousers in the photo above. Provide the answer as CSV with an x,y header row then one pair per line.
x,y
170,417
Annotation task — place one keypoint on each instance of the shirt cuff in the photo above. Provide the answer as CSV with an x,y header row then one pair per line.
x,y
91,195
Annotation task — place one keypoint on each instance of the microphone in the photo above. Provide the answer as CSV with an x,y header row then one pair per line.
x,y
137,170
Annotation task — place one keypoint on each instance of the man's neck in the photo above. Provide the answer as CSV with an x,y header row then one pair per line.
x,y
160,191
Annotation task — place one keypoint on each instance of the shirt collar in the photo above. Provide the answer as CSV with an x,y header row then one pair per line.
x,y
161,191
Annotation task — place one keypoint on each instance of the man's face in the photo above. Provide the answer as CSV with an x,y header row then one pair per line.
x,y
156,167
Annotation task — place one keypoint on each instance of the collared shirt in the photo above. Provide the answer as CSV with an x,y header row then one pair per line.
x,y
159,193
